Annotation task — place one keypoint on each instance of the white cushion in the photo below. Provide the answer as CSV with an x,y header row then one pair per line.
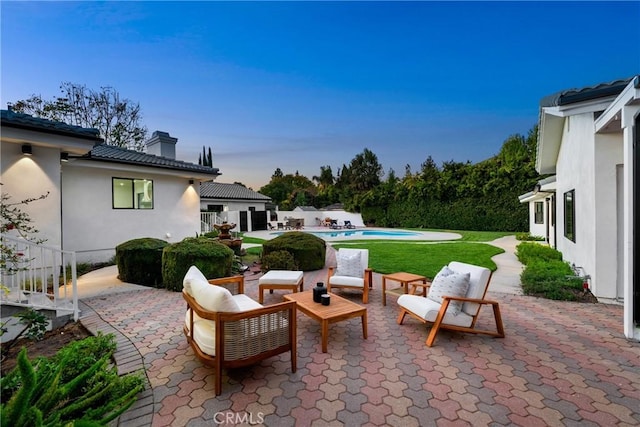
x,y
212,297
204,333
452,285
428,310
353,282
192,274
281,277
349,264
478,284
245,303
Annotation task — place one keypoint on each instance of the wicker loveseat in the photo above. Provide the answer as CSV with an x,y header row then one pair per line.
x,y
227,329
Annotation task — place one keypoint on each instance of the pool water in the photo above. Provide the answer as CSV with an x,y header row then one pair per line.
x,y
360,233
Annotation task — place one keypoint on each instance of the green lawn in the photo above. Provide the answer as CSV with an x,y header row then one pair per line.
x,y
423,257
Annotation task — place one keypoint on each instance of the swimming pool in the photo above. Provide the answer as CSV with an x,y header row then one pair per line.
x,y
360,233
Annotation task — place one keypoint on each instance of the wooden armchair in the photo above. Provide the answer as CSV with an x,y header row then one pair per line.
x,y
443,315
227,329
352,272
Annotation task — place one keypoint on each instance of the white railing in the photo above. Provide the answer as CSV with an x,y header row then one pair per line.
x,y
38,276
207,219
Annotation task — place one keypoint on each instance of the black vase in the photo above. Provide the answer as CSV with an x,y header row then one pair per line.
x,y
318,291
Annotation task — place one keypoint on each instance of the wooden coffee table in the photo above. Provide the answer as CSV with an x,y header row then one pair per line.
x,y
339,309
405,279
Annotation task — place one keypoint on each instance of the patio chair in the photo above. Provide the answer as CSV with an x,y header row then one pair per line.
x,y
352,272
347,224
227,329
334,224
280,226
454,300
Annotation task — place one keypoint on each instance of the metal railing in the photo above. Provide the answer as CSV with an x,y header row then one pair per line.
x,y
38,276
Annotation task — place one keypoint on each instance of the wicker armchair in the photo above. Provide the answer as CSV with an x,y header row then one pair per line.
x,y
244,335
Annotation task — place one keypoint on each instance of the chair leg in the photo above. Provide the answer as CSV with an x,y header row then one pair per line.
x,y
401,315
365,295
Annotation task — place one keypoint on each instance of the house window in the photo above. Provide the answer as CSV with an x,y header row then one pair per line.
x,y
538,208
132,193
570,215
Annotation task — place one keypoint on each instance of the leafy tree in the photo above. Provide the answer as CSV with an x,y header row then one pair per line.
x,y
117,119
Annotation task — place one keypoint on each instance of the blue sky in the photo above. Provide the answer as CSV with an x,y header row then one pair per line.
x,y
300,85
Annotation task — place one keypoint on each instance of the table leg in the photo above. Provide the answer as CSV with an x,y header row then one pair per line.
x,y
260,297
364,325
325,335
384,291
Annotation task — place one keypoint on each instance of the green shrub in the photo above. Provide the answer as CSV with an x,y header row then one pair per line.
x,y
278,260
211,257
308,251
140,261
552,279
527,252
528,237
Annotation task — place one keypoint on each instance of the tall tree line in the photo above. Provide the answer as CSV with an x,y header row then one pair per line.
x,y
454,195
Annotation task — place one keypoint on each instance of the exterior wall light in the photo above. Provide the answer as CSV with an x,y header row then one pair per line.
x,y
64,156
27,149
191,182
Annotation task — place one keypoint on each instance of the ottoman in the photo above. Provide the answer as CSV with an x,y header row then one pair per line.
x,y
280,279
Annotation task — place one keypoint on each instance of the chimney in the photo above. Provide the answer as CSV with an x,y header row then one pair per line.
x,y
162,144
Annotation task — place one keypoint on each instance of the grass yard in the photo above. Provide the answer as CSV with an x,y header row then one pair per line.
x,y
421,257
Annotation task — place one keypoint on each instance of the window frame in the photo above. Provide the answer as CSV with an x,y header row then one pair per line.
x,y
570,215
538,212
136,203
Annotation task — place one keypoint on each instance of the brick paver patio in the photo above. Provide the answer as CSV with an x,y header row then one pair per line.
x,y
561,364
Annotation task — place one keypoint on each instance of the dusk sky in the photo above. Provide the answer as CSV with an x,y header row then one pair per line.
x,y
300,85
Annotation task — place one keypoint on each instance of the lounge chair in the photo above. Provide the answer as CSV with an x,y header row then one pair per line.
x,y
454,300
352,272
334,224
227,329
280,226
347,224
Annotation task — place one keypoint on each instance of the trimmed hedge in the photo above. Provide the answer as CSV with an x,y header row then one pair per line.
x,y
308,251
212,258
140,261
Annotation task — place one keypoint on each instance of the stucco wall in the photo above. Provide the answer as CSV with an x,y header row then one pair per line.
x,y
30,177
608,154
587,165
93,228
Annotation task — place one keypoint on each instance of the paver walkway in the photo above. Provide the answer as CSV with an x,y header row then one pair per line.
x,y
561,363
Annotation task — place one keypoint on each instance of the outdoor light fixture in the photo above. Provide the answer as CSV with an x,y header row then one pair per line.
x,y
26,149
191,182
64,156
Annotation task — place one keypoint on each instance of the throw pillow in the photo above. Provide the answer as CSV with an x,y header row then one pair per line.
x,y
349,265
453,285
192,274
213,297
444,272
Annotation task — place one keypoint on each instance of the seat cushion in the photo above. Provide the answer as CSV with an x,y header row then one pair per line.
x,y
204,333
349,264
346,281
192,274
212,297
428,310
451,285
281,277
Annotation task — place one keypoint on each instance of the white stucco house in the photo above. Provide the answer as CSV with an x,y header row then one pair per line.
x,y
98,195
586,207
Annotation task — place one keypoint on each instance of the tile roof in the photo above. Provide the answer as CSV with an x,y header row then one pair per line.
x,y
218,190
26,121
110,153
571,96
